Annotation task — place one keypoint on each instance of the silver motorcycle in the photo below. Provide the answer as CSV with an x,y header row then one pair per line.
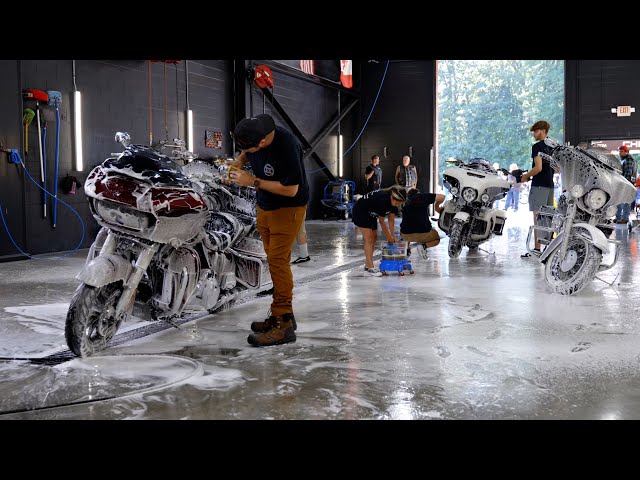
x,y
173,240
577,232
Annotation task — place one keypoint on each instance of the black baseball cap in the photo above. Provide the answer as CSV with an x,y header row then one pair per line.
x,y
251,130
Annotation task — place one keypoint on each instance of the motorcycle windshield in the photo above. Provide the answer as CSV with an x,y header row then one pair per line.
x,y
148,165
594,169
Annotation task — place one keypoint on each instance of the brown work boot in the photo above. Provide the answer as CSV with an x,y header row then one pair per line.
x,y
281,331
265,326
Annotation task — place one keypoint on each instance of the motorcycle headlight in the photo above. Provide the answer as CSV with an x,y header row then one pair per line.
x,y
485,197
469,194
454,191
596,199
577,191
611,210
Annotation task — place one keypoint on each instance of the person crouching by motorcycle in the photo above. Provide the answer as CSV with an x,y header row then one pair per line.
x,y
282,194
415,226
541,192
372,209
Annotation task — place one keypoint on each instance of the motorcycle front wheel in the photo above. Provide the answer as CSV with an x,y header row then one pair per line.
x,y
457,234
91,323
576,270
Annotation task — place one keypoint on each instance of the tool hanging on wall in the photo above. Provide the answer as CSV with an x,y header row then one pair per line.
x,y
27,118
55,99
14,158
39,96
44,165
69,184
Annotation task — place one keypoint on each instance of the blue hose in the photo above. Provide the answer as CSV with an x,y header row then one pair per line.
x,y
14,157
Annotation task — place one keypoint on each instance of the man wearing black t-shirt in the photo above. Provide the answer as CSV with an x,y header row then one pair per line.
x,y
541,192
282,196
415,226
373,175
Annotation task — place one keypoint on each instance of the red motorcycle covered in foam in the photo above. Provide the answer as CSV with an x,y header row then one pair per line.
x,y
173,240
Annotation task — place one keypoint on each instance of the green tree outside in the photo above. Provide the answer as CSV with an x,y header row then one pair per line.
x,y
485,108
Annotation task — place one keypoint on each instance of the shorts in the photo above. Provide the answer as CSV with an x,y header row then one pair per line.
x,y
427,237
362,219
540,196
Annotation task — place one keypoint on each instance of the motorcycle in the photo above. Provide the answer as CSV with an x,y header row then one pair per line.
x,y
576,233
174,240
468,218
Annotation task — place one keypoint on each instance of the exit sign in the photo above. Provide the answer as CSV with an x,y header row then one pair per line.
x,y
623,110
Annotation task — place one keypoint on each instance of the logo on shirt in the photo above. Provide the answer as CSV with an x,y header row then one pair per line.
x,y
268,170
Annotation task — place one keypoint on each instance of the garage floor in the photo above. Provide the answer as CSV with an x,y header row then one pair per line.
x,y
479,337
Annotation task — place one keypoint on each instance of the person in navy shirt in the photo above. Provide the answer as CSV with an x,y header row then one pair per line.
x,y
372,209
373,175
282,195
415,226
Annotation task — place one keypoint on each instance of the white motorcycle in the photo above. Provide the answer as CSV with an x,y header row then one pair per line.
x,y
577,231
469,217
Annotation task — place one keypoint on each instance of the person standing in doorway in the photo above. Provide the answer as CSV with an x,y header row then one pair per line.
x,y
406,174
282,194
513,195
541,192
373,175
630,172
557,188
498,169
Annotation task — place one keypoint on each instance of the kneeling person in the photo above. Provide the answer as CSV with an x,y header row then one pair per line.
x,y
416,226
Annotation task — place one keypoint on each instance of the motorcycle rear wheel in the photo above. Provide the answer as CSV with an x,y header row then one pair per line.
x,y
580,267
90,323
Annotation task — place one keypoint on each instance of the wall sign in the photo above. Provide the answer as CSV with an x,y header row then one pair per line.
x,y
613,145
212,139
623,110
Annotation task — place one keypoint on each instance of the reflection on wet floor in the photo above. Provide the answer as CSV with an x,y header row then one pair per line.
x,y
479,337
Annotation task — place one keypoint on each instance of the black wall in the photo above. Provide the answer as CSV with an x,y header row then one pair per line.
x,y
593,87
115,97
403,117
311,107
11,178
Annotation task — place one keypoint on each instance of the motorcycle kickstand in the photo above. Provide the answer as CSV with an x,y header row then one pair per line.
x,y
610,284
487,251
